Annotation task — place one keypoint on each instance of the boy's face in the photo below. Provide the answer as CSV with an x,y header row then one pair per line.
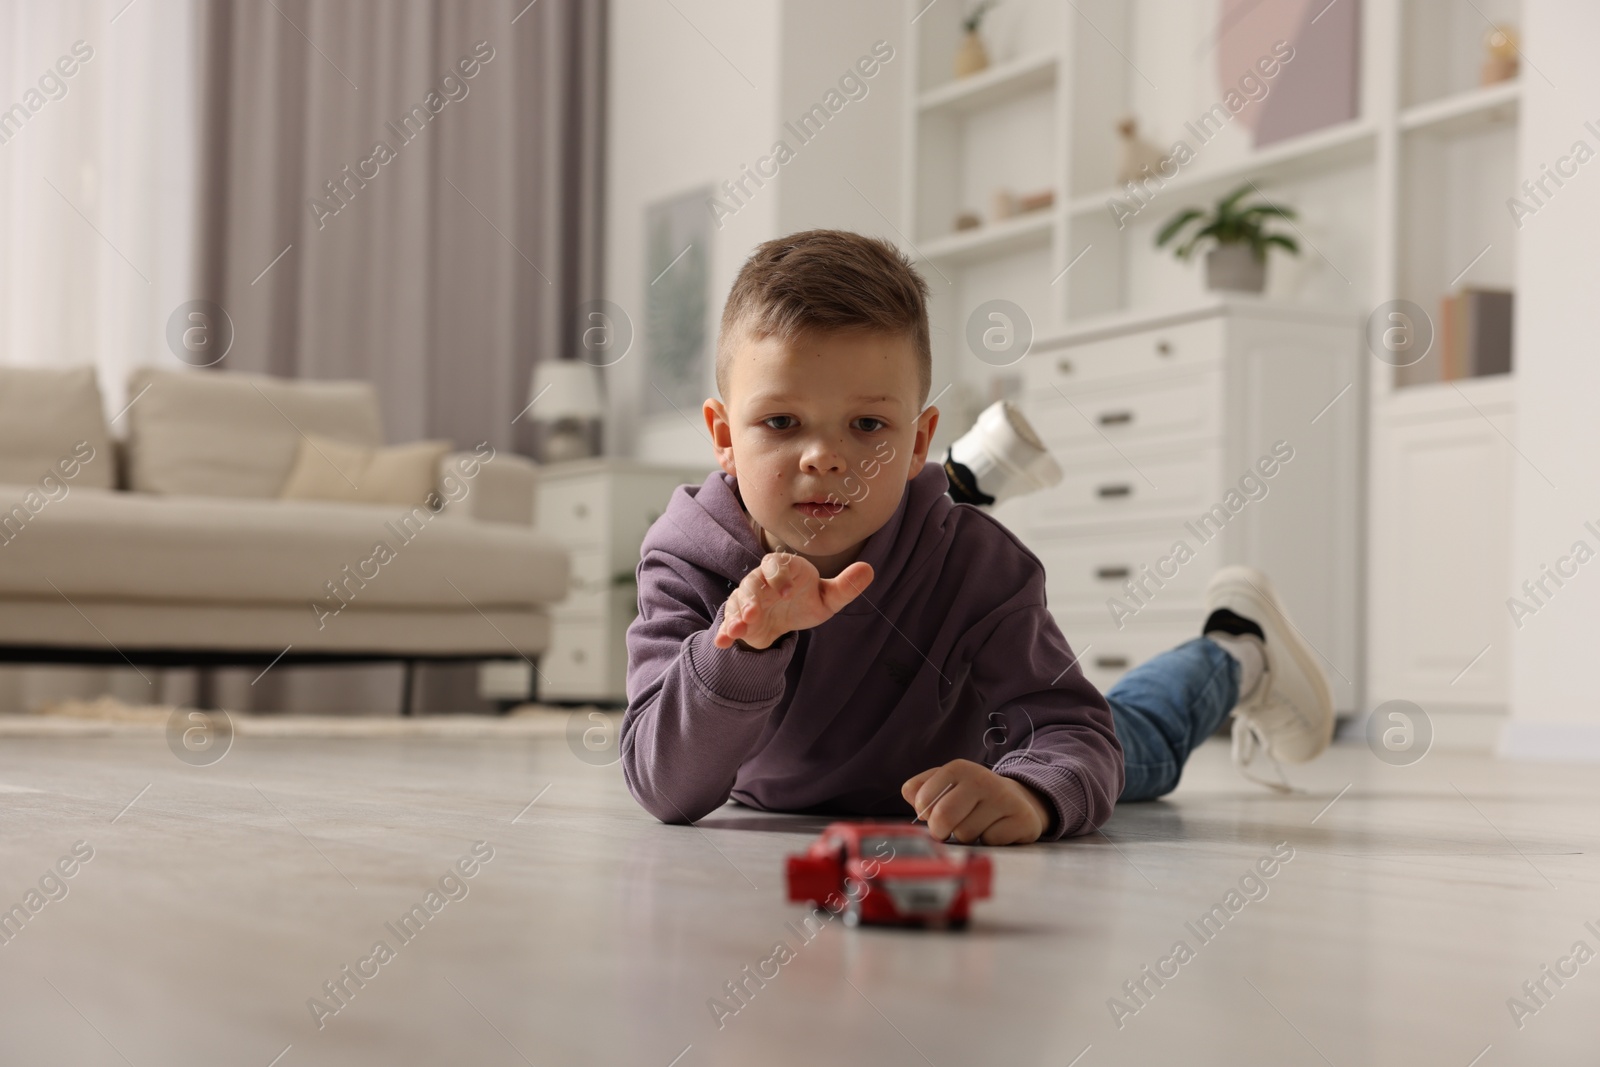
x,y
823,432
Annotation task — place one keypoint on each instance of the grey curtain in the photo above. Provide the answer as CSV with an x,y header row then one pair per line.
x,y
441,266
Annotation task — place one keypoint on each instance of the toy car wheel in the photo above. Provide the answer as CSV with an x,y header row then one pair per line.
x,y
958,924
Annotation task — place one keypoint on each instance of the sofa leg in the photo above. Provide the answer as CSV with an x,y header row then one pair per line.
x,y
408,686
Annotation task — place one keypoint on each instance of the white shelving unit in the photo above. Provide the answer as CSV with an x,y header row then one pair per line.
x,y
1344,145
1032,230
994,86
1462,112
1403,201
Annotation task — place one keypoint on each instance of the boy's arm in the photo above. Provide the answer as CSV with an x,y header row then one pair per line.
x,y
1050,723
694,710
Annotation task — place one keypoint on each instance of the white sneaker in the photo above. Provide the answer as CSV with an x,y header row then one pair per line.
x,y
1002,455
1289,714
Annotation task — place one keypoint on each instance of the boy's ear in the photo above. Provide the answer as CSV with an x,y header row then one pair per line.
x,y
927,422
716,417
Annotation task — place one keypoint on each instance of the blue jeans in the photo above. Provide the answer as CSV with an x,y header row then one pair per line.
x,y
1165,707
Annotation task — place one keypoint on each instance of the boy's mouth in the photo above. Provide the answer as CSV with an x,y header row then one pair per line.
x,y
819,509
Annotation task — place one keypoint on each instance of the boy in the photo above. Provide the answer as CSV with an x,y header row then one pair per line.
x,y
821,629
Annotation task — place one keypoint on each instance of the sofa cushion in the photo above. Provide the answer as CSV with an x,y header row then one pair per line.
x,y
209,433
49,418
108,545
325,469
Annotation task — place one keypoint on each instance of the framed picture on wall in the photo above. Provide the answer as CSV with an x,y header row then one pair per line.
x,y
1299,60
677,298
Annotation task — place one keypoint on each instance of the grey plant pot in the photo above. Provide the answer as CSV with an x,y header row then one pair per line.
x,y
1235,268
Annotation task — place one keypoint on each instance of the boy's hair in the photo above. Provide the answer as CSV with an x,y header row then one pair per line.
x,y
827,280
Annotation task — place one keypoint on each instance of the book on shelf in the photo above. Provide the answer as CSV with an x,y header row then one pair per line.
x,y
1472,339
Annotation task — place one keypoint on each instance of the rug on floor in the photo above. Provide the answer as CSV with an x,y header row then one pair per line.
x,y
107,715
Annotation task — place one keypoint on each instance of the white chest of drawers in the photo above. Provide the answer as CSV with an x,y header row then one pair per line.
x,y
1225,433
598,510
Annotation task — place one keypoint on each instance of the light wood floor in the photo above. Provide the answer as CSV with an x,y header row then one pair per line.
x,y
223,898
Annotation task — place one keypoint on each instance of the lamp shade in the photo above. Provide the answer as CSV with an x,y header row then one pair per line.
x,y
565,389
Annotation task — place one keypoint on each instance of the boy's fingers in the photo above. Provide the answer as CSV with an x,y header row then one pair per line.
x,y
776,572
837,592
733,610
914,783
935,784
1010,830
984,815
951,809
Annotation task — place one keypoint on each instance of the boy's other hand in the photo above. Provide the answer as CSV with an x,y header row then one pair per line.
x,y
786,593
974,804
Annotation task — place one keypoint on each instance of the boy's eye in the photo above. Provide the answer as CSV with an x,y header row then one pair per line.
x,y
869,424
779,422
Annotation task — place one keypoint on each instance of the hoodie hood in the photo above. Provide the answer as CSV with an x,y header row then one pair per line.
x,y
706,525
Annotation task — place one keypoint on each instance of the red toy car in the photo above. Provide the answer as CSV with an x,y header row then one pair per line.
x,y
889,873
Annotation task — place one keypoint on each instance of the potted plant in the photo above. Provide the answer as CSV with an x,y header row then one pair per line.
x,y
972,56
1237,258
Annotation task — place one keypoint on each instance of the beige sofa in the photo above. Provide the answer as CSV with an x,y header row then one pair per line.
x,y
172,546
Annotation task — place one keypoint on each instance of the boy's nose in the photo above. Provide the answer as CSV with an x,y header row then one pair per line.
x,y
822,457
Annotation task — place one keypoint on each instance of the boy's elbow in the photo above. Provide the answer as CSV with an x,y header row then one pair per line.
x,y
669,811
655,799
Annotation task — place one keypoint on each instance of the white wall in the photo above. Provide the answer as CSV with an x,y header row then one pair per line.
x,y
681,115
860,146
1555,702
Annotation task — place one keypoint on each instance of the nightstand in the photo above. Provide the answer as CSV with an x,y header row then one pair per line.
x,y
598,510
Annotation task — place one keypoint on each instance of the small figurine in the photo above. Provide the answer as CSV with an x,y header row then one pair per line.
x,y
1036,201
1500,64
968,220
1135,154
1002,204
888,873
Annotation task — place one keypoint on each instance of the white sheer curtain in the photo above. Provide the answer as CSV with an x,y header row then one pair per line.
x,y
97,188
98,180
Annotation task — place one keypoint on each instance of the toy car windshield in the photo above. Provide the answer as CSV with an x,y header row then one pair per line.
x,y
918,846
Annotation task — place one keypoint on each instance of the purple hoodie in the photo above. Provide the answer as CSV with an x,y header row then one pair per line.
x,y
948,654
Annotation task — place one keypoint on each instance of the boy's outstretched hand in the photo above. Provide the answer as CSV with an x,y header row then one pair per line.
x,y
785,593
975,804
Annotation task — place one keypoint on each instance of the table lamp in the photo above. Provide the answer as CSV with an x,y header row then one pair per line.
x,y
566,405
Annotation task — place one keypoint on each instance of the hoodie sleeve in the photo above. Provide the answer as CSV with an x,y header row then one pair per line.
x,y
694,710
1051,723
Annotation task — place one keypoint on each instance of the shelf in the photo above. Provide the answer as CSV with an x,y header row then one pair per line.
x,y
1465,112
1247,305
1321,150
1465,398
994,86
992,239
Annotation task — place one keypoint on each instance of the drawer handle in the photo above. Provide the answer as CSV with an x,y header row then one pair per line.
x,y
1163,348
1111,574
1106,492
1115,418
1064,366
1111,663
